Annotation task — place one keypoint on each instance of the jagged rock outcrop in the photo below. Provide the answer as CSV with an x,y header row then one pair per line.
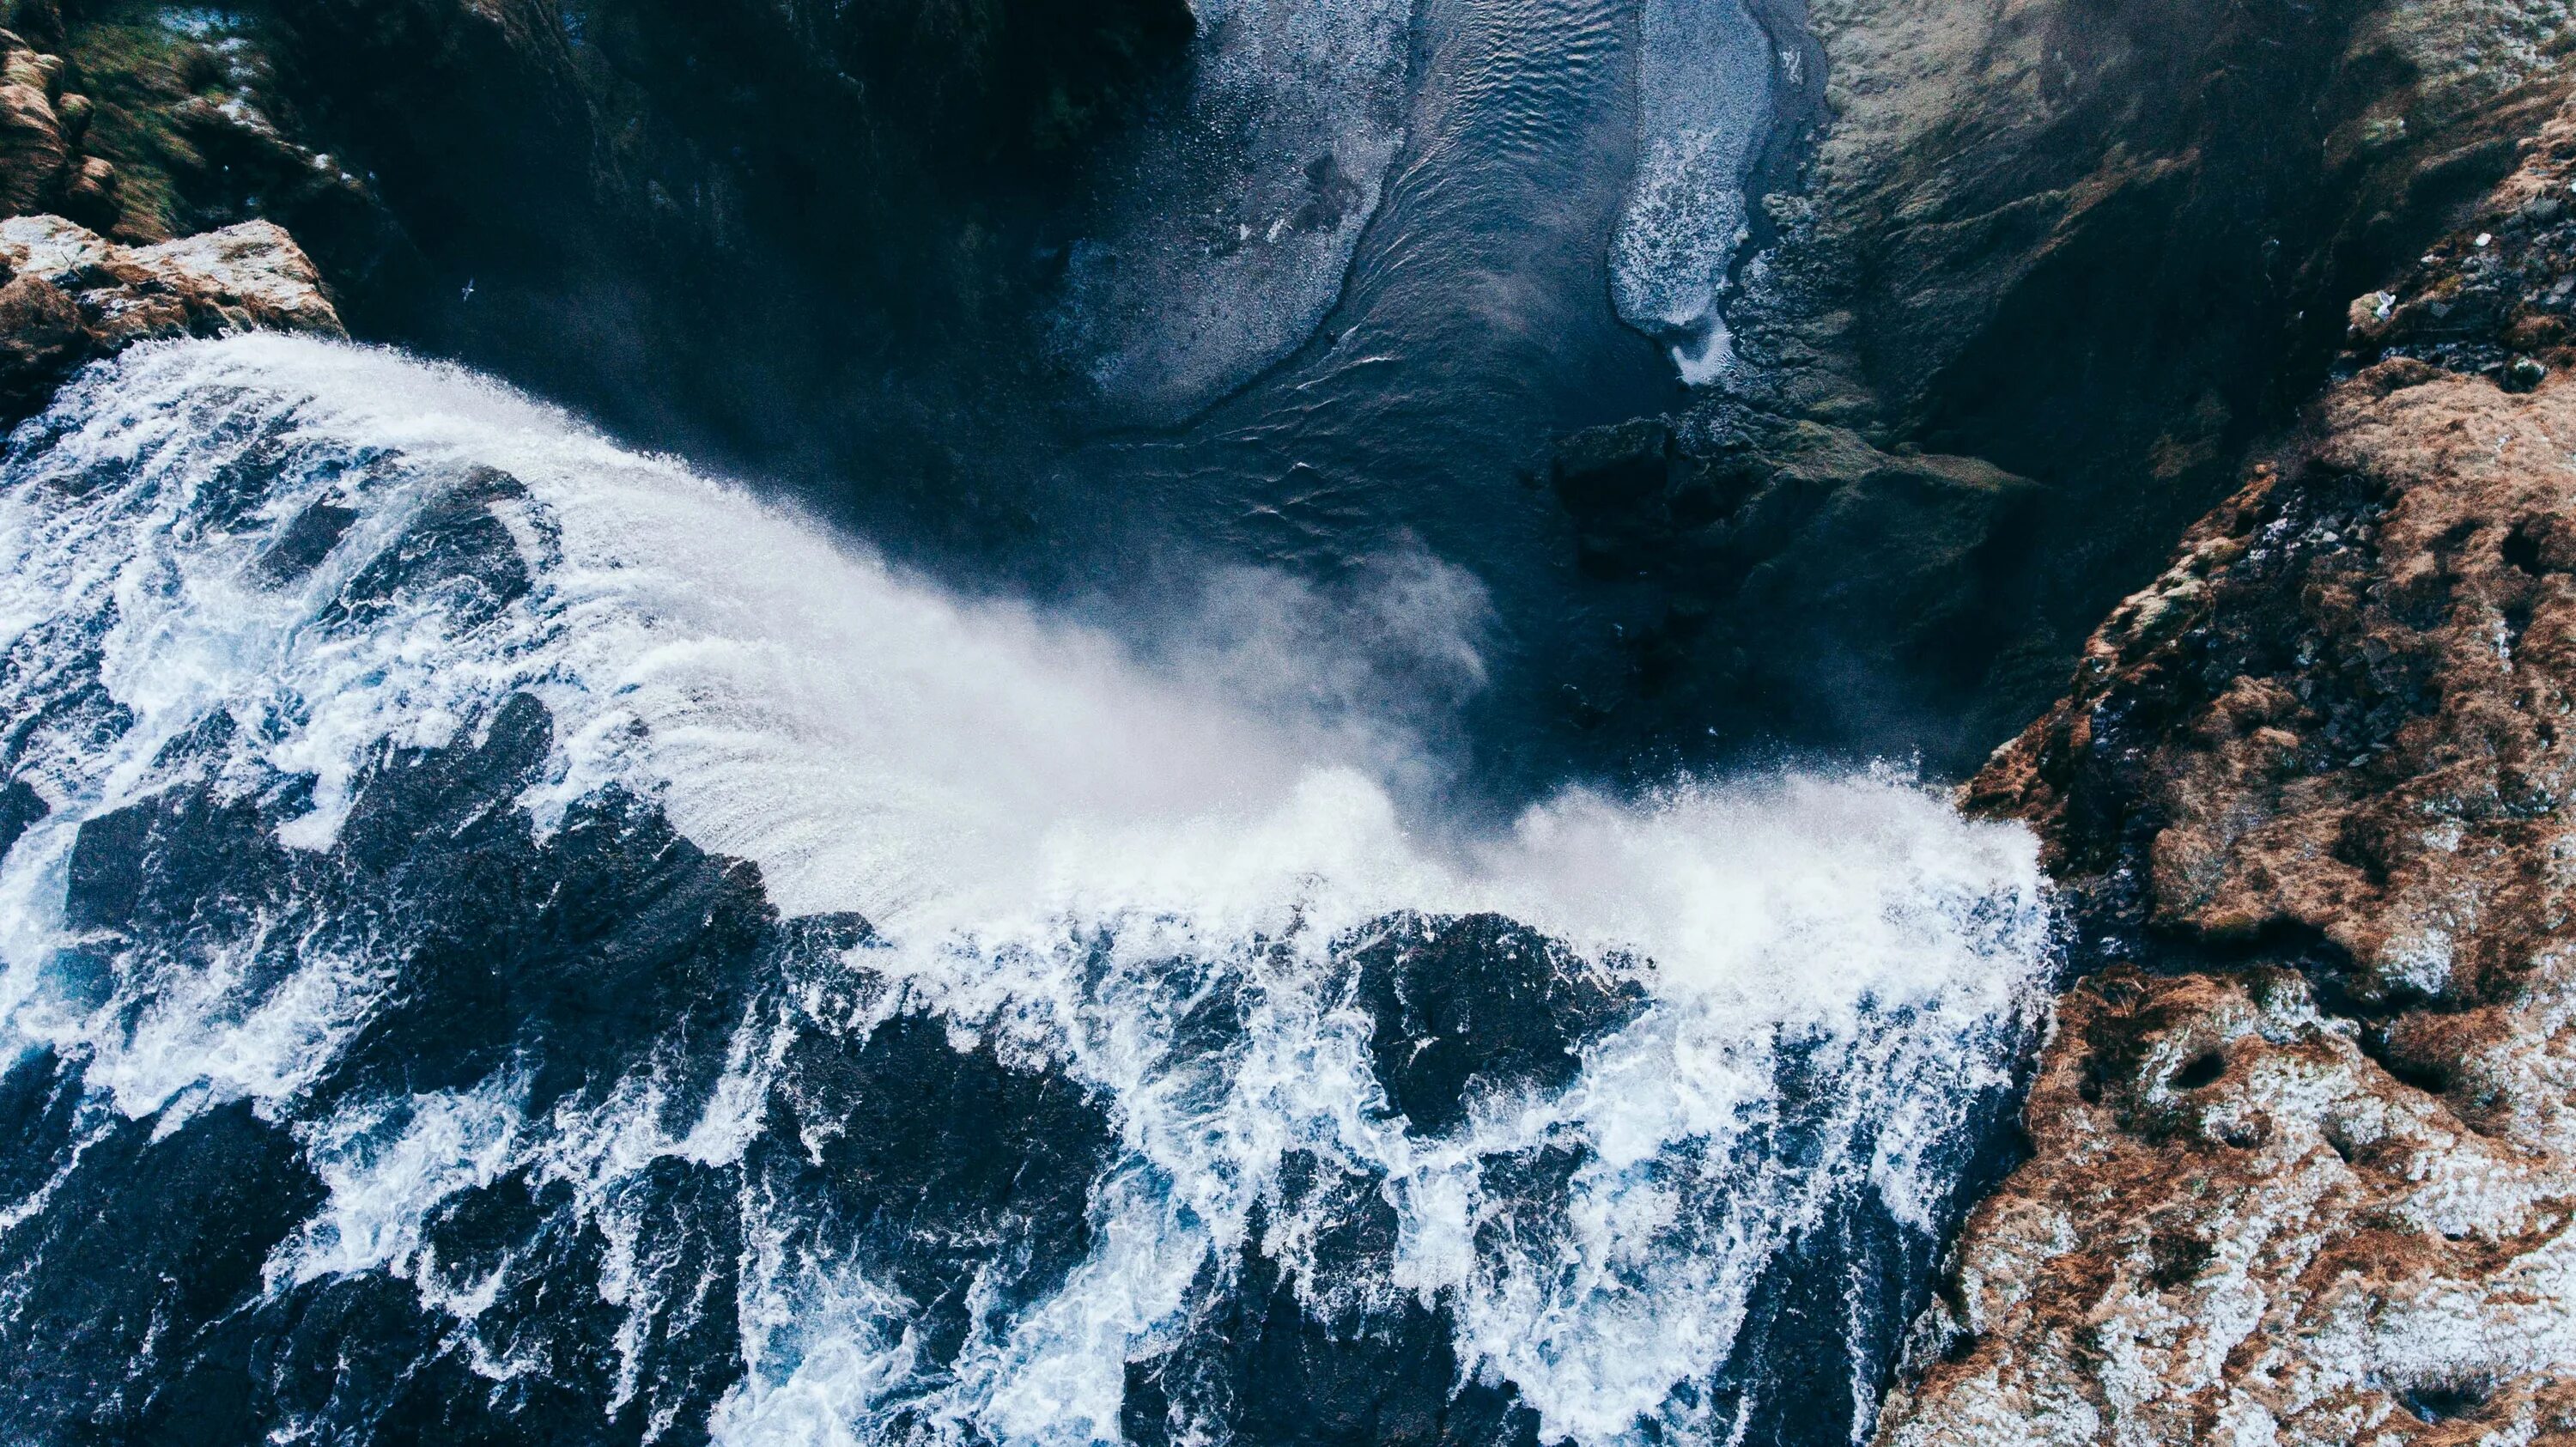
x,y
2304,1154
72,295
2493,298
2242,1228
144,122
42,126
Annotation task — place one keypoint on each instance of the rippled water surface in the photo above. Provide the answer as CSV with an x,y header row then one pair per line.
x,y
1550,220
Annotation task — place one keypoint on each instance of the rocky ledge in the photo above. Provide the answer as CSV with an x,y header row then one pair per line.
x,y
72,295
2053,268
2304,1140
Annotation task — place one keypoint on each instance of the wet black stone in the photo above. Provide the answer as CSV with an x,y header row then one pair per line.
x,y
1258,1365
144,1246
39,1112
20,807
187,859
1261,1363
306,542
1602,467
455,547
937,1166
612,947
1478,1003
613,941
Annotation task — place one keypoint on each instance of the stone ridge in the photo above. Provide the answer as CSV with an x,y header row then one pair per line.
x,y
73,295
2304,1147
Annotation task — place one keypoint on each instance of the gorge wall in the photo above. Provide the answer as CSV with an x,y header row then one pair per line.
x,y
714,227
2301,1148
2096,251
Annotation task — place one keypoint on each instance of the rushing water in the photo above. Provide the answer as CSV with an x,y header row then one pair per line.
x,y
508,940
504,939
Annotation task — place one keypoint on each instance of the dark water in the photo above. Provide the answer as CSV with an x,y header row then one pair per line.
x,y
1474,324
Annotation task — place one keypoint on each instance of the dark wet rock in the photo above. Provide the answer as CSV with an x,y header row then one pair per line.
x,y
189,860
1461,1007
457,549
306,542
39,1112
1260,1364
609,948
614,939
924,1156
1603,468
1789,579
149,1240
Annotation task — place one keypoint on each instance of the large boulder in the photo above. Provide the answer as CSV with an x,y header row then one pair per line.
x,y
73,295
1797,581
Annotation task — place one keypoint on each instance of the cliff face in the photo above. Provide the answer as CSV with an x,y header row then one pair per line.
x,y
747,229
2105,246
2100,246
2303,1152
782,234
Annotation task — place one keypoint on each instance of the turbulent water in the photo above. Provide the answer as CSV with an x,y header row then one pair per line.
x,y
508,940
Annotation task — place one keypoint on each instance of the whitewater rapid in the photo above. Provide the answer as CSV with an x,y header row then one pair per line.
x,y
232,572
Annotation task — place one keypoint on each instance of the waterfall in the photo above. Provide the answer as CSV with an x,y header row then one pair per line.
x,y
499,929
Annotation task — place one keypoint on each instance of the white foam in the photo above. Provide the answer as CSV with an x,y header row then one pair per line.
x,y
1704,92
1065,848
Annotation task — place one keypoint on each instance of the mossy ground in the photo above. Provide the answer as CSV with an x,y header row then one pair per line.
x,y
138,62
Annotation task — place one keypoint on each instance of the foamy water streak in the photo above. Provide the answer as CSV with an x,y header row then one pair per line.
x,y
1072,857
1704,94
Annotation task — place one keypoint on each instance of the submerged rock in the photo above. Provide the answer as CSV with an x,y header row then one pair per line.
x,y
1462,1007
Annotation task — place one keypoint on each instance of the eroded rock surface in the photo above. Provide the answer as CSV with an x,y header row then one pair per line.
x,y
2305,1152
2242,1228
73,295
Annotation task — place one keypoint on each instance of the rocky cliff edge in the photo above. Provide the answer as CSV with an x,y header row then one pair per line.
x,y
2304,1141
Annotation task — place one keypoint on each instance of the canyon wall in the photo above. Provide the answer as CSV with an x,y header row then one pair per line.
x,y
2304,1140
2097,248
